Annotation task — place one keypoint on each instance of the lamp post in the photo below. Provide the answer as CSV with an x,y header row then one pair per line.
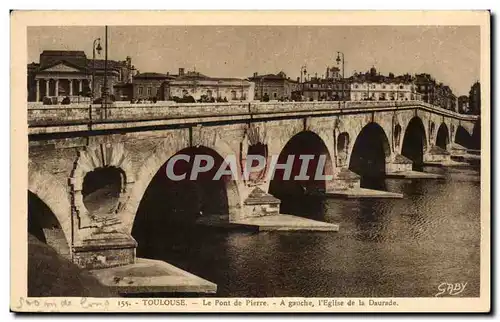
x,y
104,100
261,88
94,48
343,65
303,71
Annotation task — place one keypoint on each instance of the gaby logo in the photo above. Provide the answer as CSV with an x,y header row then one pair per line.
x,y
204,163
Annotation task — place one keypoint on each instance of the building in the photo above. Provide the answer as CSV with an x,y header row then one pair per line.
x,y
64,73
463,104
475,99
361,86
150,85
330,89
373,86
333,73
435,93
204,88
274,86
445,98
426,86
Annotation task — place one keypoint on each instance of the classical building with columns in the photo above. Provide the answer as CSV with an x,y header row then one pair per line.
x,y
62,73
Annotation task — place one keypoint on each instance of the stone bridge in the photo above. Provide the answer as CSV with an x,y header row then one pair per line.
x,y
96,174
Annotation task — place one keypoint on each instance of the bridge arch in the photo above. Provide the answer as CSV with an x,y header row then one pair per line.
x,y
370,153
476,136
301,144
415,142
463,137
156,163
443,136
44,225
174,207
44,189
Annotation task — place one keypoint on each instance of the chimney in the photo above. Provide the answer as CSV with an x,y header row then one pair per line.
x,y
255,74
181,71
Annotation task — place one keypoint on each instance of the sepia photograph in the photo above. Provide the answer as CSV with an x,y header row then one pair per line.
x,y
286,166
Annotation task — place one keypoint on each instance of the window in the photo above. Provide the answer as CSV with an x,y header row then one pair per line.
x,y
401,86
383,86
233,95
149,91
356,86
140,91
275,95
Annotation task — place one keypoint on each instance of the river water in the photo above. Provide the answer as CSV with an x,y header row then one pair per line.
x,y
385,247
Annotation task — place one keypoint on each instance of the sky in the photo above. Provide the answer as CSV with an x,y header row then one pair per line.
x,y
450,53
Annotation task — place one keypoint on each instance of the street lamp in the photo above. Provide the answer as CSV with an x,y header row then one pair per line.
x,y
343,79
94,48
262,88
104,100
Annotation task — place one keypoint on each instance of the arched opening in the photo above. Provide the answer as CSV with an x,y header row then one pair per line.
x,y
463,137
101,189
300,191
369,154
443,137
415,143
306,148
43,224
432,129
259,150
342,148
397,136
169,213
476,136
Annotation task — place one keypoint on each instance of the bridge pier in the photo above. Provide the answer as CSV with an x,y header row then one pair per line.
x,y
347,184
261,212
437,156
400,167
104,250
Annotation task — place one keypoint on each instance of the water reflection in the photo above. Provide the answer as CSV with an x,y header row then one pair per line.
x,y
385,247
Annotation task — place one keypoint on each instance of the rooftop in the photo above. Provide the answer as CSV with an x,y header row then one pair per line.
x,y
150,75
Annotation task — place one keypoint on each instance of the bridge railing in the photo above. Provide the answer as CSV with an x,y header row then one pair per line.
x,y
83,113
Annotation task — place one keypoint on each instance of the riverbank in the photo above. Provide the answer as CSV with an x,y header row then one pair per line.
x,y
49,274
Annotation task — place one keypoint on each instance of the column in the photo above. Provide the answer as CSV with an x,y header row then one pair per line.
x,y
47,88
37,90
57,88
70,87
80,86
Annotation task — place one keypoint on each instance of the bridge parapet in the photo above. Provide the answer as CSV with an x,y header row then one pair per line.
x,y
81,113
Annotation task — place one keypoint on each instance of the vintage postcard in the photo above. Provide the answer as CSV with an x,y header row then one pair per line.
x,y
250,161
